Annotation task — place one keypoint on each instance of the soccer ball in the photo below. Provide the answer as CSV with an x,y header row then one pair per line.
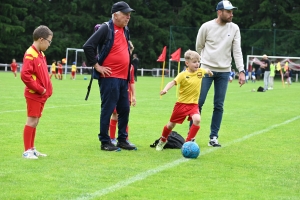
x,y
190,150
85,78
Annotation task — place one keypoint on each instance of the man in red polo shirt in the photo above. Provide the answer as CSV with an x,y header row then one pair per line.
x,y
114,74
38,87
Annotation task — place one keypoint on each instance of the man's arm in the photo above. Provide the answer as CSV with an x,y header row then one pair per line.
x,y
90,46
200,41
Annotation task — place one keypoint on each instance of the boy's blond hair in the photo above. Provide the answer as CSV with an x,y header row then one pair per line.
x,y
190,55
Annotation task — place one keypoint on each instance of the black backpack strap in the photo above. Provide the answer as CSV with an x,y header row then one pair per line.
x,y
89,86
154,143
92,74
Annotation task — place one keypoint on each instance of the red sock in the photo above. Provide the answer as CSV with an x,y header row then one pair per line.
x,y
166,132
192,133
33,137
27,137
112,128
127,131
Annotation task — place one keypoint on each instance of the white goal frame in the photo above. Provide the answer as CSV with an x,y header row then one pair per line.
x,y
67,53
282,62
284,59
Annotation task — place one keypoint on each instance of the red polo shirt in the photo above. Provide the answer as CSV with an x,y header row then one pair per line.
x,y
118,57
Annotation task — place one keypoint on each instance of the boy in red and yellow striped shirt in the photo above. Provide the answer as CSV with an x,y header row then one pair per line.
x,y
38,87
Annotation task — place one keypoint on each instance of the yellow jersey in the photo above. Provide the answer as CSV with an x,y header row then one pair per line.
x,y
73,68
53,67
190,85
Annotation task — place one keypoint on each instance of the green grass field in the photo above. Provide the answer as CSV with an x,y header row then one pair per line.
x,y
259,157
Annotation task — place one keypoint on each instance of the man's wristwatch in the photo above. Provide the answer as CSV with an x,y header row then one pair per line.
x,y
243,71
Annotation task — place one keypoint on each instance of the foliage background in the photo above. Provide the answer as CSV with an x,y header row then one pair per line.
x,y
267,26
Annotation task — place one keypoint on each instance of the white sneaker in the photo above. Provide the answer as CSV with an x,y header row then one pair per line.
x,y
37,153
114,141
29,154
214,142
160,145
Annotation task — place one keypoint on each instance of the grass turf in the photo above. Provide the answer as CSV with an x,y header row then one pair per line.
x,y
259,158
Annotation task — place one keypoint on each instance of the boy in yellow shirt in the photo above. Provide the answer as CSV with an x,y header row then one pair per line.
x,y
187,104
53,69
73,71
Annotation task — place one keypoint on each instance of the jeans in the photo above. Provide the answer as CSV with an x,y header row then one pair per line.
x,y
266,79
220,80
114,94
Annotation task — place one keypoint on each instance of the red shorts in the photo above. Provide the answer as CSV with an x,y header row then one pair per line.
x,y
14,69
53,72
182,110
59,71
34,108
73,73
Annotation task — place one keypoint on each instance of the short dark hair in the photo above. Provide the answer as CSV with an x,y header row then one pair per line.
x,y
41,32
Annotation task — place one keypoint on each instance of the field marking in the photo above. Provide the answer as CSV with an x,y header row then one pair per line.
x,y
50,107
150,172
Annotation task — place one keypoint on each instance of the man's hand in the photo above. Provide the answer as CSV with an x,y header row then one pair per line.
x,y
103,70
133,101
242,78
210,73
44,91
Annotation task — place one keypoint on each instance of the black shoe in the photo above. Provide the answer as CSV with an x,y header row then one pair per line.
x,y
109,147
125,145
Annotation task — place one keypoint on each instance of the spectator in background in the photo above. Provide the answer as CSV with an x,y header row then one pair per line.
x,y
73,71
250,69
14,66
272,75
53,69
135,63
253,75
258,74
247,76
60,70
266,69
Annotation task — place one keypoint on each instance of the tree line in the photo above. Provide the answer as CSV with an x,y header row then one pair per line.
x,y
271,26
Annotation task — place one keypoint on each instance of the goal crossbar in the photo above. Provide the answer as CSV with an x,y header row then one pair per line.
x,y
293,65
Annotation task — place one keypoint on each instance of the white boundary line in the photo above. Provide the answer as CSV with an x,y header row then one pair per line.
x,y
150,172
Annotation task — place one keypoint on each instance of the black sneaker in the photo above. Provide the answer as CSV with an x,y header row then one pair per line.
x,y
125,145
214,142
109,147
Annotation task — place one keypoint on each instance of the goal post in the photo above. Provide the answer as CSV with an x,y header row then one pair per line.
x,y
75,60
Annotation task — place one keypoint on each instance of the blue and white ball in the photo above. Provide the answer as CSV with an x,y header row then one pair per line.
x,y
85,78
190,150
